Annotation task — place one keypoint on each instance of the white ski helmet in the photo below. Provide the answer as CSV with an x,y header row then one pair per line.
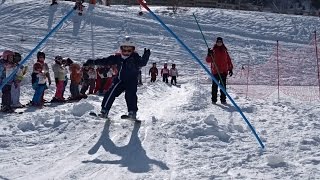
x,y
127,42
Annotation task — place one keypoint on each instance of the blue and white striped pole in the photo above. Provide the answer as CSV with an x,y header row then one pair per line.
x,y
6,80
204,67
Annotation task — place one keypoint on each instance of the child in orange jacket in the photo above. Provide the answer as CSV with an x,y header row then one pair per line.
x,y
75,77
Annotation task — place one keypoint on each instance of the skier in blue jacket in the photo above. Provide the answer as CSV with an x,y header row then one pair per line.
x,y
128,63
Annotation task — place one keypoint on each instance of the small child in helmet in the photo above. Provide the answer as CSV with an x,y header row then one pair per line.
x,y
15,88
165,73
173,74
153,72
39,84
6,68
75,77
128,63
41,56
66,62
59,76
103,74
88,79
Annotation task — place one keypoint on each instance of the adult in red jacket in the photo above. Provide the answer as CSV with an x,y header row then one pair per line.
x,y
220,63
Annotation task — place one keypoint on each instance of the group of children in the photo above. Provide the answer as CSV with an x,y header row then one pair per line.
x,y
165,73
96,79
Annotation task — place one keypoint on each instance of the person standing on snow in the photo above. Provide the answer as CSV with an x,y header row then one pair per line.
x,y
153,71
16,86
39,84
173,74
41,56
128,63
165,73
221,66
6,68
59,76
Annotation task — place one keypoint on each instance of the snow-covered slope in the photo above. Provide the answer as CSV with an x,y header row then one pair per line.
x,y
182,136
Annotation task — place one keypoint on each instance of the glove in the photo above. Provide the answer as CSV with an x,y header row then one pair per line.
x,y
210,52
146,52
230,73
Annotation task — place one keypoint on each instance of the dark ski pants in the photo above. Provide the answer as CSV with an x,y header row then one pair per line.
x,y
140,77
165,78
6,96
118,86
174,80
74,89
86,84
153,77
215,88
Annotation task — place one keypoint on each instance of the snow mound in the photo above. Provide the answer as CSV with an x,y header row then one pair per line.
x,y
81,108
211,120
208,127
275,161
26,126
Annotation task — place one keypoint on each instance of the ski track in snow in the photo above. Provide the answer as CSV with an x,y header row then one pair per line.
x,y
182,135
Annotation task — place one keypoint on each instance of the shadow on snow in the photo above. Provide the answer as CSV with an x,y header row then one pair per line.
x,y
132,155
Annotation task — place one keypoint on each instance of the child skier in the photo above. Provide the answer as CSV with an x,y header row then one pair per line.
x,y
173,74
6,68
39,84
75,77
59,75
65,63
153,72
165,73
102,76
88,79
41,56
128,63
15,88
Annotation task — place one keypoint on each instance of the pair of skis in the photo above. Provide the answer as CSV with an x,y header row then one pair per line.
x,y
122,117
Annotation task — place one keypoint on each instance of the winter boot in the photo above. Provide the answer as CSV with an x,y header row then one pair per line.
x,y
104,114
132,115
223,102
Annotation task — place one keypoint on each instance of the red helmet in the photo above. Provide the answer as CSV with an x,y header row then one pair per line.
x,y
6,54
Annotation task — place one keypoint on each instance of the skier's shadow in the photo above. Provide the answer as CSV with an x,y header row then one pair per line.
x,y
132,155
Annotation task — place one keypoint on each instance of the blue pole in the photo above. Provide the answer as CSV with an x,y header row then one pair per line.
x,y
205,68
6,80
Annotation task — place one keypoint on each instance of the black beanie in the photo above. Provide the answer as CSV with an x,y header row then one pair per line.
x,y
219,39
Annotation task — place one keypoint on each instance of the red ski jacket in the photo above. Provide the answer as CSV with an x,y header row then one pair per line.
x,y
221,58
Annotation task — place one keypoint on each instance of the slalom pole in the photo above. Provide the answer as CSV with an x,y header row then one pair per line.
x,y
278,68
213,63
6,80
316,46
204,67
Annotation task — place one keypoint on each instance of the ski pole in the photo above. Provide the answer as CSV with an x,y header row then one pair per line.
x,y
213,62
205,68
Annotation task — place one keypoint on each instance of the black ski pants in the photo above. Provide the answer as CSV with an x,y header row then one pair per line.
x,y
117,88
222,82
